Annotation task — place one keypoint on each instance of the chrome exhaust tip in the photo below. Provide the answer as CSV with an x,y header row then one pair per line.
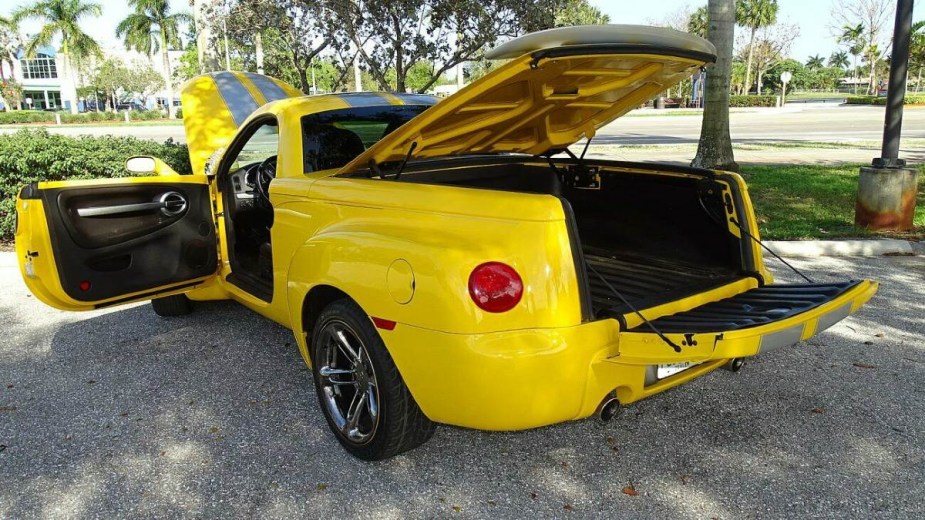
x,y
609,409
734,364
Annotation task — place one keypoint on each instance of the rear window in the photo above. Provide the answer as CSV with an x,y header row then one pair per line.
x,y
334,138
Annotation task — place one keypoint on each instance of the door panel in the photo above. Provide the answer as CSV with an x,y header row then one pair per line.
x,y
120,237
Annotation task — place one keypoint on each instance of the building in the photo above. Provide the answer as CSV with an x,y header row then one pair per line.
x,y
45,88
40,78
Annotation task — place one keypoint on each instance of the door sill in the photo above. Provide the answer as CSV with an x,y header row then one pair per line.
x,y
257,288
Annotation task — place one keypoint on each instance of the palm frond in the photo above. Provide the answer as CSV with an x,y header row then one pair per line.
x,y
44,37
83,46
80,9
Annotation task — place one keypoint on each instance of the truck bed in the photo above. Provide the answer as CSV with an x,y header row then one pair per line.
x,y
644,281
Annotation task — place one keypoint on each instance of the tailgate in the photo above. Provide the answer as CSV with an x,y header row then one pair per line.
x,y
755,321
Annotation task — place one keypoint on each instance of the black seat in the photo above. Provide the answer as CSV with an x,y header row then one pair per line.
x,y
325,147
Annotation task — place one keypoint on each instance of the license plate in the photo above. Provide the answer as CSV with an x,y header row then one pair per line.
x,y
671,369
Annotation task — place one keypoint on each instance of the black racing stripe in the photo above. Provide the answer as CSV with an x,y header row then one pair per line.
x,y
239,101
364,99
270,90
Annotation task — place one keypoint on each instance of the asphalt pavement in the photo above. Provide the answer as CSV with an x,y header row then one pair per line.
x,y
809,122
119,413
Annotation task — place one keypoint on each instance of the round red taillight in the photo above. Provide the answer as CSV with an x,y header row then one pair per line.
x,y
495,287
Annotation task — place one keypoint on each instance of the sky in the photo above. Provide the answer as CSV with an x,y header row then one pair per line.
x,y
813,18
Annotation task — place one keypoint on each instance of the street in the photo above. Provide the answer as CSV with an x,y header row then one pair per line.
x,y
808,122
119,413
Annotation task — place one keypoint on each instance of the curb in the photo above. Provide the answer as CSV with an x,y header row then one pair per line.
x,y
874,247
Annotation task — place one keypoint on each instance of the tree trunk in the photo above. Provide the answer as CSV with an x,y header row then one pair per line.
x,y
302,72
400,71
715,148
168,84
208,58
70,82
460,74
855,56
258,50
357,74
748,64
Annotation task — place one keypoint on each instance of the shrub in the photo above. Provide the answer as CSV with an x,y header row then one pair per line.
x,y
146,115
36,155
36,116
753,101
14,117
89,117
911,99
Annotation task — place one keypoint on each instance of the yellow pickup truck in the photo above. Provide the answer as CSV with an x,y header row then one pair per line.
x,y
443,262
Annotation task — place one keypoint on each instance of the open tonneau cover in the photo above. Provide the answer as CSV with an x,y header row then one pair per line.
x,y
563,85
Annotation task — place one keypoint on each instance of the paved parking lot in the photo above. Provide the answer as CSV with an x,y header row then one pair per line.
x,y
119,413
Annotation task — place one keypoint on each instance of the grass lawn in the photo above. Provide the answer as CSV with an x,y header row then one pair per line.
x,y
816,95
794,202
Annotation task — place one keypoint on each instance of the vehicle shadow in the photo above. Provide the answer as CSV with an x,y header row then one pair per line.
x,y
213,414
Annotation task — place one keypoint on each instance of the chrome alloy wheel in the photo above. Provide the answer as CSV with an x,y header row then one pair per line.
x,y
348,382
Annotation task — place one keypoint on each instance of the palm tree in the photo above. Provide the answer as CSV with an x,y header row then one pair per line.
x,y
9,43
853,37
753,15
917,51
839,59
697,24
715,147
154,27
815,62
62,18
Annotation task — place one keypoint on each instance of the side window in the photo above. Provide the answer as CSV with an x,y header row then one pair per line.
x,y
327,146
260,146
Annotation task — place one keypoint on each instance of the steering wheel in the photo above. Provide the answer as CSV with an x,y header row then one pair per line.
x,y
266,172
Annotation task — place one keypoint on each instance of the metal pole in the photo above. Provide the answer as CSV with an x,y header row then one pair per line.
x,y
896,93
314,86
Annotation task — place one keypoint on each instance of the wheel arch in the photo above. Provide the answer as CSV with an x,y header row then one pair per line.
x,y
317,298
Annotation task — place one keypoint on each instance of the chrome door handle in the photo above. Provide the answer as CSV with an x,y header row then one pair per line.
x,y
171,204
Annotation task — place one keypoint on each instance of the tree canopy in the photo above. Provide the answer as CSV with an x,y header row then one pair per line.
x,y
61,18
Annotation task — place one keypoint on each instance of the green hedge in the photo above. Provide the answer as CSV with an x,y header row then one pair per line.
x,y
36,155
90,117
911,99
26,116
753,101
36,116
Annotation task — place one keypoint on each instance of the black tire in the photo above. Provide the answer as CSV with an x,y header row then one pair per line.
x,y
168,306
395,423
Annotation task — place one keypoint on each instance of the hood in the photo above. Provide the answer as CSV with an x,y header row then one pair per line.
x,y
216,104
560,85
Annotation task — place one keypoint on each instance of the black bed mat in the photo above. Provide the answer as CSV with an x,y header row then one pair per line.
x,y
645,281
751,308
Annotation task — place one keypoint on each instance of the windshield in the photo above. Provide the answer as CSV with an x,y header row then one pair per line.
x,y
334,138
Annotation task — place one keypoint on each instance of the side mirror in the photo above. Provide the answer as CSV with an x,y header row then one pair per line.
x,y
146,165
142,164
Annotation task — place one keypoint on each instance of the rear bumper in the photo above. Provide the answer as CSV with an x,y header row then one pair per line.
x,y
525,379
